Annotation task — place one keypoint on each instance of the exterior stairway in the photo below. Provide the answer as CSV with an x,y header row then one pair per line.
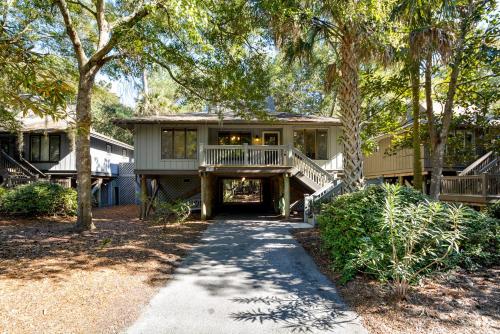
x,y
478,184
16,172
324,185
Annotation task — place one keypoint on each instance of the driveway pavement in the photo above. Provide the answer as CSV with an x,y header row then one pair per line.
x,y
248,276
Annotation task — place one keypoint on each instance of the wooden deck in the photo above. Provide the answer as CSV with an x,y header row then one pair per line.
x,y
471,189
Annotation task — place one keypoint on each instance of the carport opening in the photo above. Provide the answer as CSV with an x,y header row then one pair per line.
x,y
242,190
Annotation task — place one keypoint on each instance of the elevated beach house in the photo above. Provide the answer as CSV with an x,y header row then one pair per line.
x,y
471,172
224,162
44,149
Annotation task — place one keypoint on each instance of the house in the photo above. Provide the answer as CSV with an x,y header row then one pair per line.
x,y
44,149
225,162
471,171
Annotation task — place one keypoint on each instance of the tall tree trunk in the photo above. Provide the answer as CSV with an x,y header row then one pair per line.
x,y
350,114
83,159
415,99
415,89
438,154
429,108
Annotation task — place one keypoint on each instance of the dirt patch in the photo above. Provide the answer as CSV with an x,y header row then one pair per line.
x,y
458,302
55,281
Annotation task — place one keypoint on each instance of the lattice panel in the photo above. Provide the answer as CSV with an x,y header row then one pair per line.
x,y
128,187
174,186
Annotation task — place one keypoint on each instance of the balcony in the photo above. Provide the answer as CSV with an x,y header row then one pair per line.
x,y
246,155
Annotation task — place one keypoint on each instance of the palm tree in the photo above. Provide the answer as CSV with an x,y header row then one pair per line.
x,y
424,38
351,29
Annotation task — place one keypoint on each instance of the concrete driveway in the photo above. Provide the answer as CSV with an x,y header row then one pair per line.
x,y
248,276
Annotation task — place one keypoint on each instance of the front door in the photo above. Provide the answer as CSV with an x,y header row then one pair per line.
x,y
271,138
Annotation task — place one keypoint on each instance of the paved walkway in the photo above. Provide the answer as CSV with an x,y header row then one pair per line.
x,y
249,276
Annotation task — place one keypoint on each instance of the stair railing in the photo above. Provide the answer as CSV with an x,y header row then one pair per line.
x,y
11,165
310,168
479,164
35,171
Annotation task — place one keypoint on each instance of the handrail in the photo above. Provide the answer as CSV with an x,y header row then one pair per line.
x,y
492,167
33,168
310,168
14,163
476,165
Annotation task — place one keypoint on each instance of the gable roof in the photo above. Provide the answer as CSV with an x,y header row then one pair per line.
x,y
35,124
226,118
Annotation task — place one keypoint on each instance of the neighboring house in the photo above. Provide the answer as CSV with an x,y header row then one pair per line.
x,y
223,161
471,172
44,149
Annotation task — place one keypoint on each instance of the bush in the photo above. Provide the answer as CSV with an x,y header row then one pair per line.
x,y
397,234
493,210
352,217
171,212
480,245
39,198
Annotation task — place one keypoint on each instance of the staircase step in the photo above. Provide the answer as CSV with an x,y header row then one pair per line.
x,y
313,186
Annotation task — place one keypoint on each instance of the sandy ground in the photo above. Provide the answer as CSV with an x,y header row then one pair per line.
x,y
458,302
55,281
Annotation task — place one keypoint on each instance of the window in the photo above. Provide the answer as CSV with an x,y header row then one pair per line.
x,y
179,143
45,148
124,152
312,142
109,148
234,138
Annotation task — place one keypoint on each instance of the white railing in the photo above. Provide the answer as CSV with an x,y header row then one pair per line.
x,y
244,155
310,169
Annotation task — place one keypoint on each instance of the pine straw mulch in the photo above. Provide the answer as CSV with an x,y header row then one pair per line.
x,y
56,281
458,302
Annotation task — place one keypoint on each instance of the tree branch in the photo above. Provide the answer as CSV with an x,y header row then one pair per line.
x,y
72,33
117,28
83,5
180,83
102,24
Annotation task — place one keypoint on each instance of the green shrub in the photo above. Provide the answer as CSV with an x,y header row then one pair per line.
x,y
171,212
411,241
493,210
39,198
3,191
356,230
480,245
351,217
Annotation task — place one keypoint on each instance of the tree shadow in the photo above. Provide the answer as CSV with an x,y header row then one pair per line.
x,y
44,248
259,267
458,298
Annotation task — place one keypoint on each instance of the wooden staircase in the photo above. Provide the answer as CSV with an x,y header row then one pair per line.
x,y
324,185
478,184
16,172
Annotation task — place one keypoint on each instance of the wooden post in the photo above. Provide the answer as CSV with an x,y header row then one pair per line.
x,y
202,155
144,196
286,195
288,155
245,154
485,185
206,196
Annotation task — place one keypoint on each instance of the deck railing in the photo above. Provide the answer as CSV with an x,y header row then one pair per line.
x,y
484,186
244,155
